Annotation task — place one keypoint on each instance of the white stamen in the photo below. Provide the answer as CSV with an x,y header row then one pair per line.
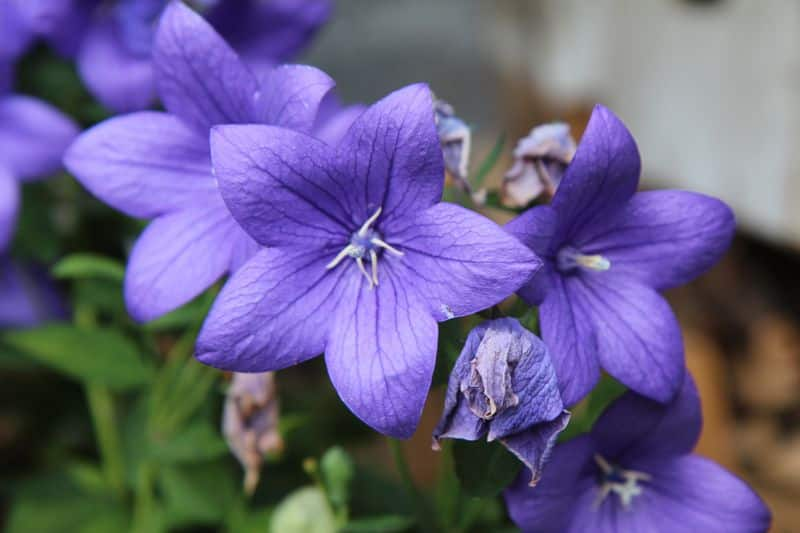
x,y
360,263
340,256
373,255
362,232
378,242
593,262
626,490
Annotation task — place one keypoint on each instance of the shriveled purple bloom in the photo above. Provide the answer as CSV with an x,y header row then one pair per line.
x,y
27,296
608,251
504,387
456,140
157,165
540,160
361,261
635,472
250,422
120,38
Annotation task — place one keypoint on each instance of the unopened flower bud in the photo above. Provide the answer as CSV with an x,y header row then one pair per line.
x,y
540,160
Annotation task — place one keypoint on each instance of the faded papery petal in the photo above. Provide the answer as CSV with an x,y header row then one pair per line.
x,y
144,164
663,238
460,262
280,187
456,140
250,422
381,354
274,312
121,80
200,78
291,95
179,256
391,154
9,205
601,178
540,160
33,136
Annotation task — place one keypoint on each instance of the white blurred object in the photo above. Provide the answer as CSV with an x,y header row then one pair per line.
x,y
709,89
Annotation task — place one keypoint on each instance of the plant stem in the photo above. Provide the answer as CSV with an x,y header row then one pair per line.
x,y
423,511
101,407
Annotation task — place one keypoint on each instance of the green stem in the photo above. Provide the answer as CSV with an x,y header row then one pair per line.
x,y
424,514
145,520
101,407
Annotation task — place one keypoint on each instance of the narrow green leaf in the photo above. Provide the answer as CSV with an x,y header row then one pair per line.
x,y
380,524
95,356
83,266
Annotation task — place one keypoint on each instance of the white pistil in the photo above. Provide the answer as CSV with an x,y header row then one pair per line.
x,y
593,262
569,258
626,490
363,241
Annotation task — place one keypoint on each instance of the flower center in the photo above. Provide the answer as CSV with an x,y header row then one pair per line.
x,y
569,259
624,483
365,243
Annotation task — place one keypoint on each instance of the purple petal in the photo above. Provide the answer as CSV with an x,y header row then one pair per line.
x,y
460,262
274,30
15,34
67,35
536,229
637,336
9,205
200,78
144,164
663,238
291,94
119,79
42,16
179,256
334,119
601,178
381,354
392,154
534,445
27,297
567,331
635,428
550,505
274,312
692,493
281,187
33,136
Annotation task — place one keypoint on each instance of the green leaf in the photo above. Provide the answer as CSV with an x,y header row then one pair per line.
x,y
96,356
484,469
197,494
336,469
83,266
200,441
189,315
380,524
489,162
304,511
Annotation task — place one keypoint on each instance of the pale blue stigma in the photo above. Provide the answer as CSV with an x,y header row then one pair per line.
x,y
623,483
569,259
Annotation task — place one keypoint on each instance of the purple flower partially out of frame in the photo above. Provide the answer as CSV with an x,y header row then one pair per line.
x,y
362,260
27,296
608,251
120,37
60,22
503,387
157,165
635,472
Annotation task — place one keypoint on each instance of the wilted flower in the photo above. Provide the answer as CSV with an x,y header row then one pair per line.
x,y
157,165
456,140
503,387
361,259
635,472
608,251
539,163
250,422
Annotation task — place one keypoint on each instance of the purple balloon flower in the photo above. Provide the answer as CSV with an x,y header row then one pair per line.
x,y
157,165
635,472
504,387
362,259
60,22
120,37
607,252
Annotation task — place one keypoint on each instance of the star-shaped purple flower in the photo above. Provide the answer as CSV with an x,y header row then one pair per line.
x,y
157,165
361,261
503,387
608,251
635,472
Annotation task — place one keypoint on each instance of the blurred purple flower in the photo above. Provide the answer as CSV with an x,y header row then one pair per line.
x,y
60,22
362,259
334,119
635,472
540,160
607,253
250,422
156,165
503,387
119,39
27,296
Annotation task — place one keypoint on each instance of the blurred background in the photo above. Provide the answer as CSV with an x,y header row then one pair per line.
x,y
709,89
